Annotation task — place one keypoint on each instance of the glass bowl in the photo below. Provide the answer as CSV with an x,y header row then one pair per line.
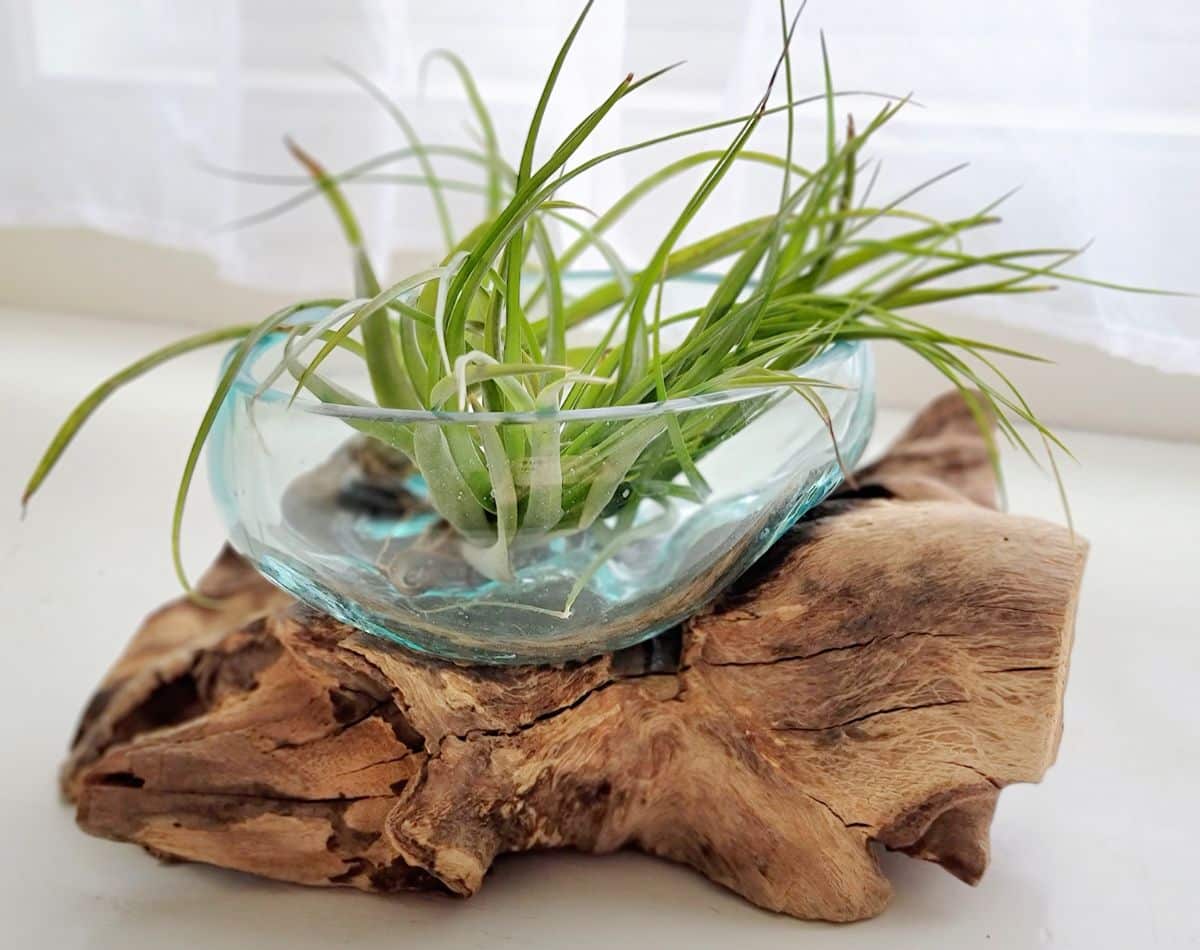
x,y
343,522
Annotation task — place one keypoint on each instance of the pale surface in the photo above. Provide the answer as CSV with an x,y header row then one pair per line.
x,y
1097,128
1101,855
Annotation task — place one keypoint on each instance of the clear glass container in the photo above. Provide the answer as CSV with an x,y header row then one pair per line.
x,y
342,521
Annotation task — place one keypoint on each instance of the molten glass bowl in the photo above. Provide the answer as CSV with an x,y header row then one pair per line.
x,y
342,521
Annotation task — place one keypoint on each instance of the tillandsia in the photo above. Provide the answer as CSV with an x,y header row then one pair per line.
x,y
491,329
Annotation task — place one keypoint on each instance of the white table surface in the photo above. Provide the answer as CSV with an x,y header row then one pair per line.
x,y
1102,854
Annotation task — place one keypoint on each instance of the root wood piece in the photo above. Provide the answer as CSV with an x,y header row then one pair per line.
x,y
892,663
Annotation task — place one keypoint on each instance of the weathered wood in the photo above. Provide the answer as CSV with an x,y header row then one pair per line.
x,y
889,666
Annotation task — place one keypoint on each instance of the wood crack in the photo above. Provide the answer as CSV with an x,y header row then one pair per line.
x,y
871,715
374,765
983,775
829,808
541,717
840,648
123,780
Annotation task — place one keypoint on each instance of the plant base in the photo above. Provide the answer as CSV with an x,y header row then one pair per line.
x,y
893,662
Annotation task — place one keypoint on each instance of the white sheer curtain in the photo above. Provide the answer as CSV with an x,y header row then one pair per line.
x,y
1091,106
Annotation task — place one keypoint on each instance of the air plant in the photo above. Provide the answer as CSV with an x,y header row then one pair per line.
x,y
491,328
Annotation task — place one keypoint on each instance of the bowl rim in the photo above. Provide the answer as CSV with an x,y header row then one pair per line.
x,y
246,385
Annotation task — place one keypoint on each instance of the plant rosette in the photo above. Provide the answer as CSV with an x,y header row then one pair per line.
x,y
503,459
590,541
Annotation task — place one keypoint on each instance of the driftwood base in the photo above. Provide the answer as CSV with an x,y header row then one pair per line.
x,y
895,660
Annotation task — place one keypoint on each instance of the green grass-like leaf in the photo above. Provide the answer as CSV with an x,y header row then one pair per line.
x,y
493,327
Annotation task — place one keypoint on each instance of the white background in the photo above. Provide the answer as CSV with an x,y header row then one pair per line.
x,y
1091,107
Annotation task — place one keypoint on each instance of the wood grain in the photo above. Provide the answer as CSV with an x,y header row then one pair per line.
x,y
893,662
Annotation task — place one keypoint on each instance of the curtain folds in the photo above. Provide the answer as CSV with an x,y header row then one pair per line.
x,y
131,118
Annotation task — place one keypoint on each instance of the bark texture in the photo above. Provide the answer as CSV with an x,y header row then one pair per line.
x,y
893,662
